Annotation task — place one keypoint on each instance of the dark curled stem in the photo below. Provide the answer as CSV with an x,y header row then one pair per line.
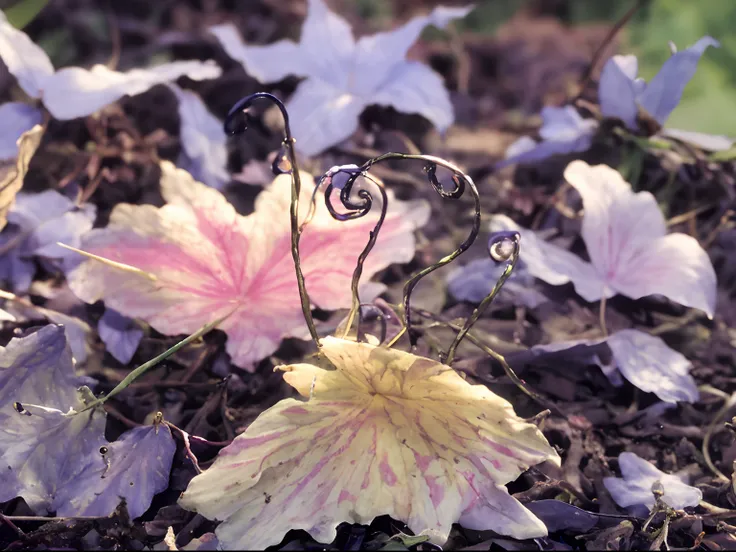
x,y
357,208
236,123
461,181
502,246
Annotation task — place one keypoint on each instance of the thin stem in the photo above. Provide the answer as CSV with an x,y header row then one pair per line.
x,y
460,180
602,316
520,383
710,431
606,41
235,123
485,303
143,368
357,210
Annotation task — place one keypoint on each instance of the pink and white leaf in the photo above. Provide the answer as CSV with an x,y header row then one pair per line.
x,y
387,432
209,261
635,486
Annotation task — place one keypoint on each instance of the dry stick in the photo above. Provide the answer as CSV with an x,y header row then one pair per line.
x,y
460,180
235,123
602,315
521,384
135,374
12,525
710,431
488,299
587,76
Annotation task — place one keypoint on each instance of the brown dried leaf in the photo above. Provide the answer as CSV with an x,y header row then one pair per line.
x,y
11,176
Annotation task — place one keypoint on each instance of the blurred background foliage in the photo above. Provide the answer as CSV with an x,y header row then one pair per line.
x,y
709,103
709,100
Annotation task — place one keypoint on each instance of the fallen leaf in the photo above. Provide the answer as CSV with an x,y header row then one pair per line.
x,y
207,260
203,140
13,174
53,452
343,76
73,92
644,360
626,238
387,432
637,481
120,335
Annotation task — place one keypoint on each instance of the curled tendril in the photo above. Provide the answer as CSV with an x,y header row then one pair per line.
x,y
236,123
359,204
502,247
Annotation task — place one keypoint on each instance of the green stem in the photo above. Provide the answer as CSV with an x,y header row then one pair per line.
x,y
473,318
143,368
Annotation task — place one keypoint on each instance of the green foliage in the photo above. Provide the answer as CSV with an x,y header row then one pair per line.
x,y
22,13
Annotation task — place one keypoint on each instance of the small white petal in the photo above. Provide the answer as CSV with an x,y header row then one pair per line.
x,y
75,92
648,363
635,487
203,140
120,335
664,91
26,61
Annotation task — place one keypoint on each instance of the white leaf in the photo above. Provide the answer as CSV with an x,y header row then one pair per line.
x,y
322,116
626,237
343,77
203,140
75,92
635,487
648,363
26,62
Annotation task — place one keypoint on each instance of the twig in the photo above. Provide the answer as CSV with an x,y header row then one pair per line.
x,y
135,374
588,74
710,431
235,123
602,316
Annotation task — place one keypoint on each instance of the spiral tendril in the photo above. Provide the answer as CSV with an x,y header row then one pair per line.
x,y
236,123
502,247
